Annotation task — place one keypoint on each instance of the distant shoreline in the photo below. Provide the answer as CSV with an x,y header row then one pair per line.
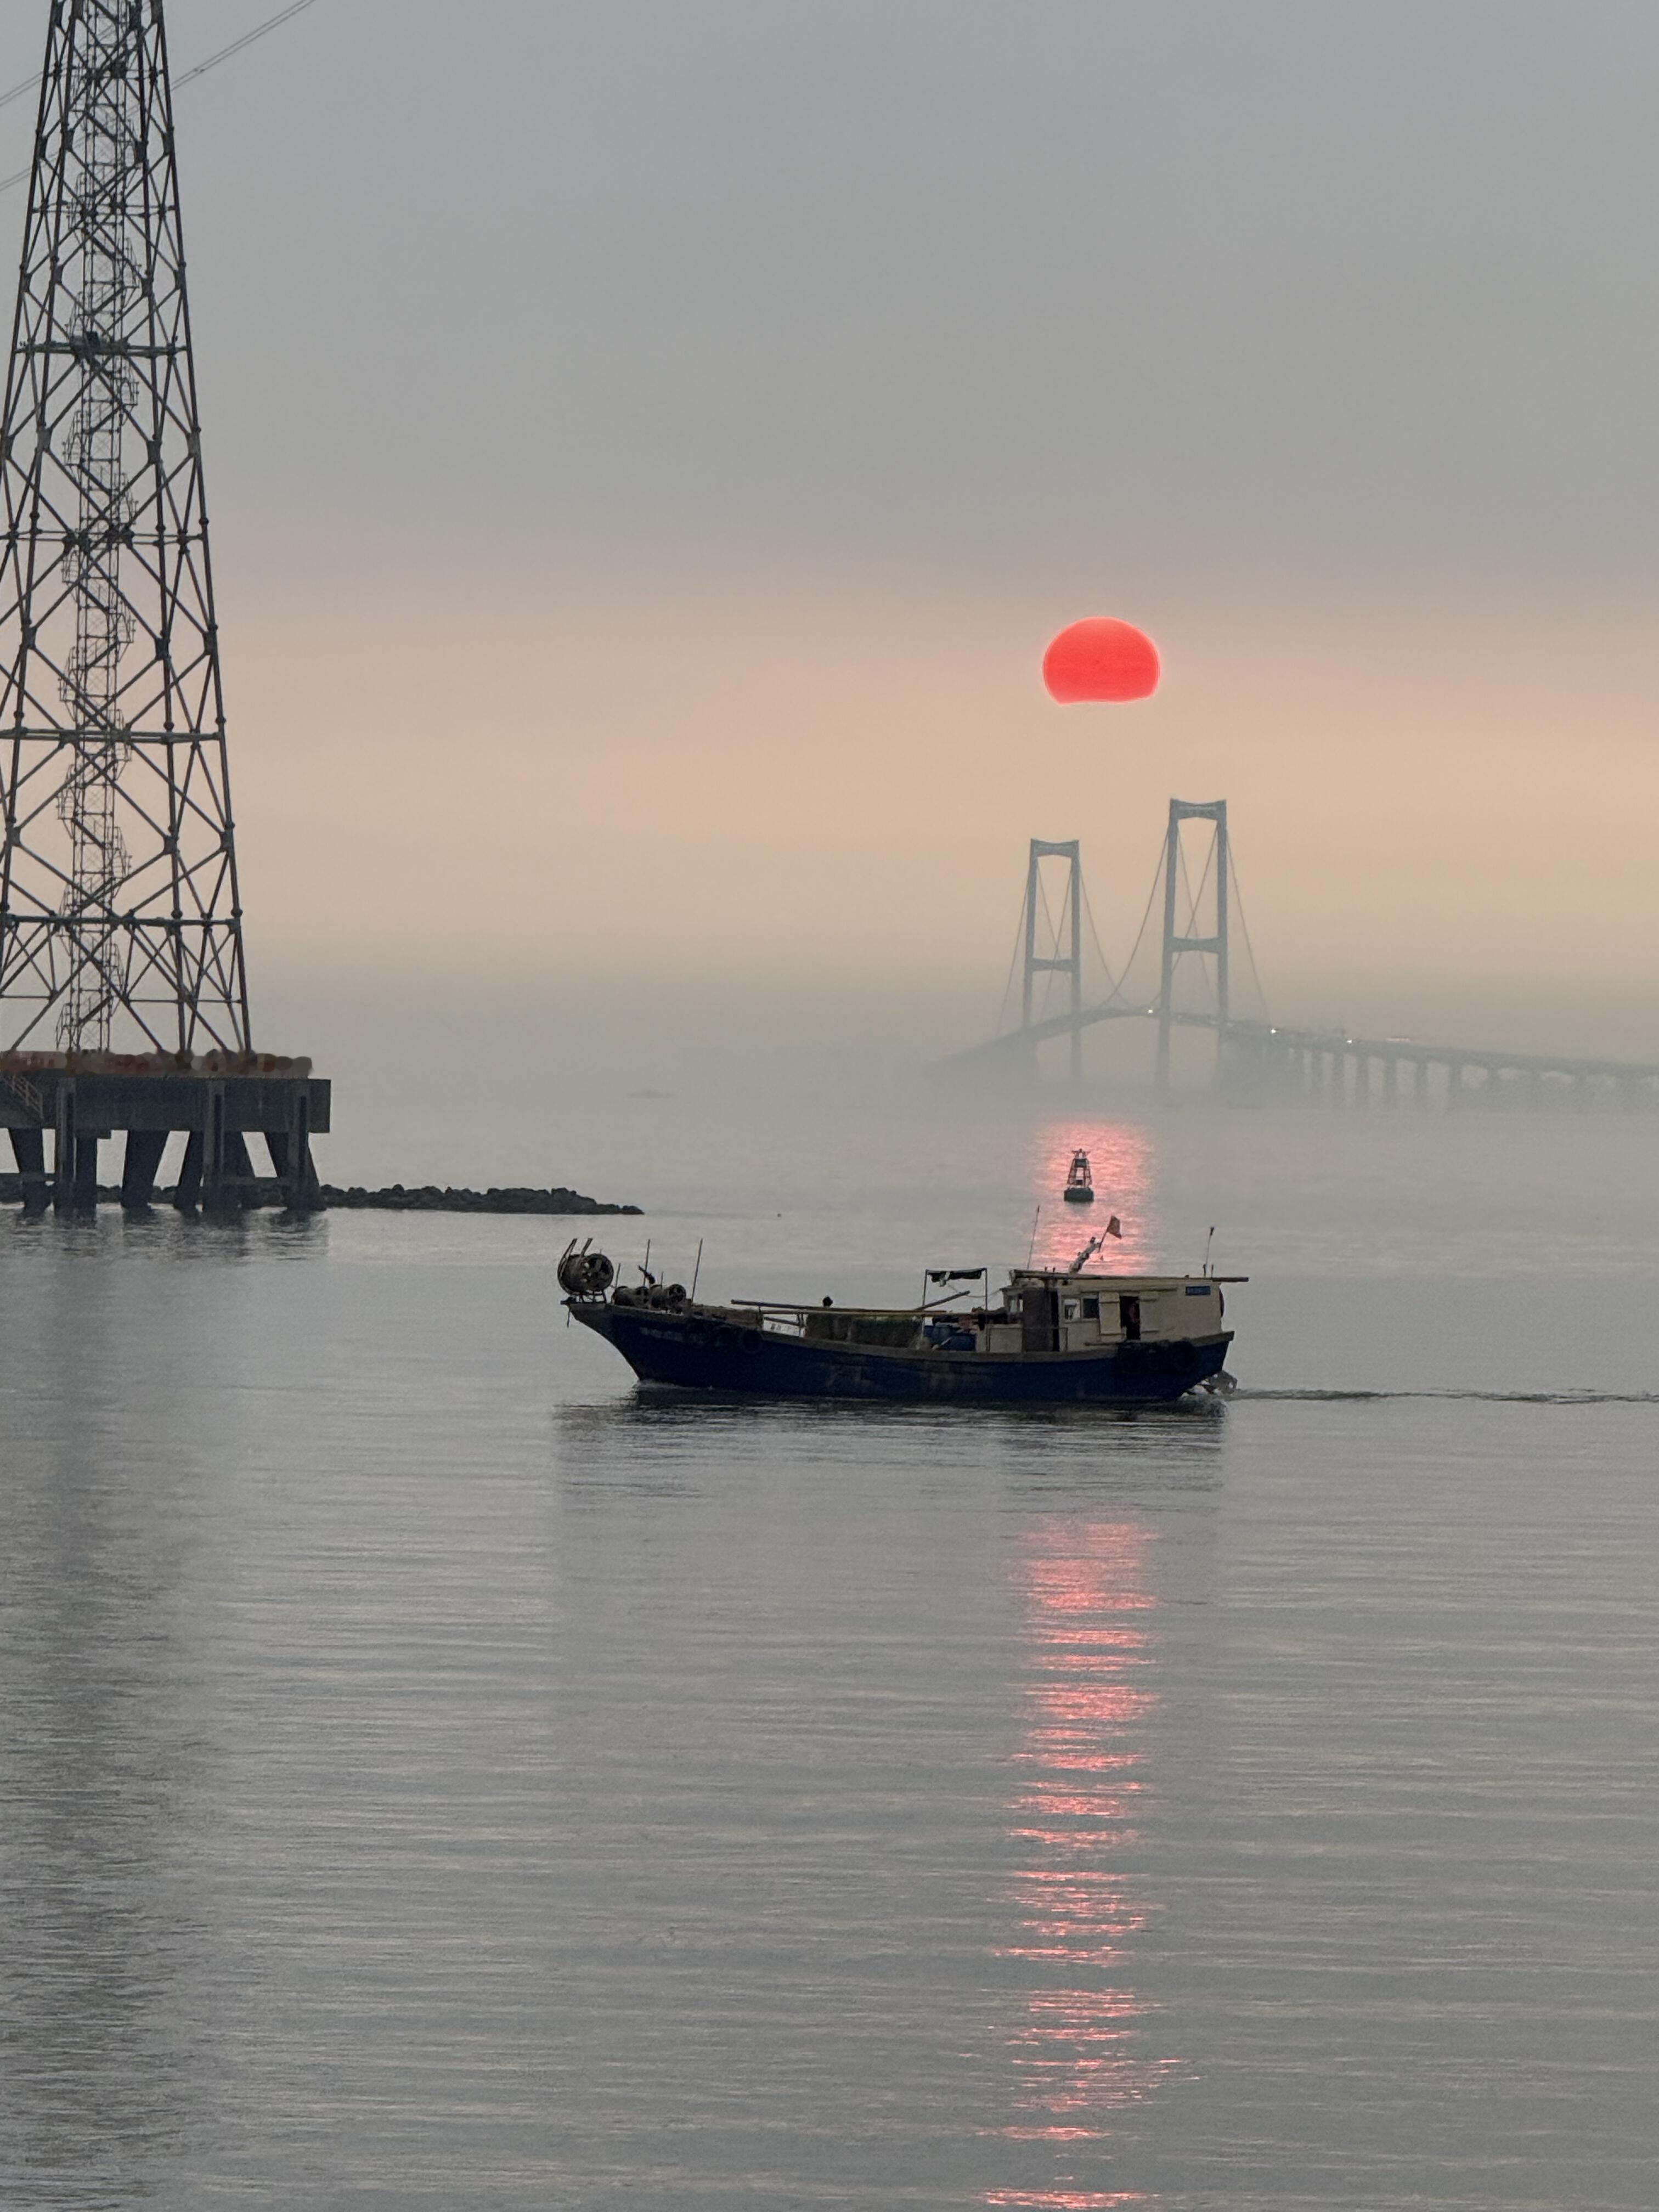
x,y
557,1203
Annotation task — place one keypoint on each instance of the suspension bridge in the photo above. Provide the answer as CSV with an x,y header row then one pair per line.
x,y
1192,923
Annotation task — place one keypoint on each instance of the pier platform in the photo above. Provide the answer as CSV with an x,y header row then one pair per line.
x,y
217,1101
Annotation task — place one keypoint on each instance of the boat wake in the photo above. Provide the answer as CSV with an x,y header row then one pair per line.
x,y
1481,1397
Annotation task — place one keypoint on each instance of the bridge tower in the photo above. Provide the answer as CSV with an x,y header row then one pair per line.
x,y
1070,963
120,913
1214,945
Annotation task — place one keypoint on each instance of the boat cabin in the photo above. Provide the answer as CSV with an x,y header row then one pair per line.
x,y
1045,1312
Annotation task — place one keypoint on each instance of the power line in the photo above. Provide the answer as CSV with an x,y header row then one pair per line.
x,y
236,46
248,39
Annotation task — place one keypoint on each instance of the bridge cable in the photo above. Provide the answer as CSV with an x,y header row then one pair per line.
x,y
1193,924
1187,928
1113,990
1013,970
1244,923
1146,917
1051,945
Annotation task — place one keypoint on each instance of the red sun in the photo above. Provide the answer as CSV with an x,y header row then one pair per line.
x,y
1101,658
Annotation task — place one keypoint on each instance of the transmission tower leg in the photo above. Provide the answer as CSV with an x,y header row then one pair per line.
x,y
138,1169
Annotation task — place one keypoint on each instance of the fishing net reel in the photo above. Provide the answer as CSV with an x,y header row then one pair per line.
x,y
585,1273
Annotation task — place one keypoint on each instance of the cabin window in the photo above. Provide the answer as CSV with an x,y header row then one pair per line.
x,y
1091,1309
1128,1314
1071,1311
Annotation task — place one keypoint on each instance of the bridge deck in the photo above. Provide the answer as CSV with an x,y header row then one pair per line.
x,y
1276,1038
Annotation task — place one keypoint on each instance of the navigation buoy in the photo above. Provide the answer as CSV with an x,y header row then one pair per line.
x,y
1101,659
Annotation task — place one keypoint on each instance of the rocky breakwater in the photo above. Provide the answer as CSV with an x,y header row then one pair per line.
x,y
428,1199
264,1195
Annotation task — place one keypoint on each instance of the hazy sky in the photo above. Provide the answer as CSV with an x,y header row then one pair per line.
x,y
649,446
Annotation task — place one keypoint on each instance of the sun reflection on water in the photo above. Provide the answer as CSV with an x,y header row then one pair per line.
x,y
1122,1160
1077,2050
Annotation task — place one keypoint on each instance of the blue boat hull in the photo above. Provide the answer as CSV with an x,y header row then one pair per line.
x,y
707,1352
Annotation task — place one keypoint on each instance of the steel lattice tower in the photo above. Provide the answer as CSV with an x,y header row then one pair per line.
x,y
120,922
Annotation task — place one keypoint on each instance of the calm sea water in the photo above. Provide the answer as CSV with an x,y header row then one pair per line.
x,y
434,1772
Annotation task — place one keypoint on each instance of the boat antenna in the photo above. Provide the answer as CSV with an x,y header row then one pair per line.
x,y
696,1271
1030,1249
1208,1242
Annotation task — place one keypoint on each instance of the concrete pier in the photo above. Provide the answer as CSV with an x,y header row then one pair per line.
x,y
216,1103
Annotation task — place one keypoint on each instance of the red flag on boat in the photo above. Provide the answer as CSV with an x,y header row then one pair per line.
x,y
1114,1227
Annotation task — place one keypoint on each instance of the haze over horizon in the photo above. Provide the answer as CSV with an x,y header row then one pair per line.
x,y
648,451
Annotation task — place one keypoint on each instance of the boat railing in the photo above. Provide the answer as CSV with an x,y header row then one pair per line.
x,y
893,1326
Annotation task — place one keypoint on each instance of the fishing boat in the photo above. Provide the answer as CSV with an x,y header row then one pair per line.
x,y
1053,1337
1080,1181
